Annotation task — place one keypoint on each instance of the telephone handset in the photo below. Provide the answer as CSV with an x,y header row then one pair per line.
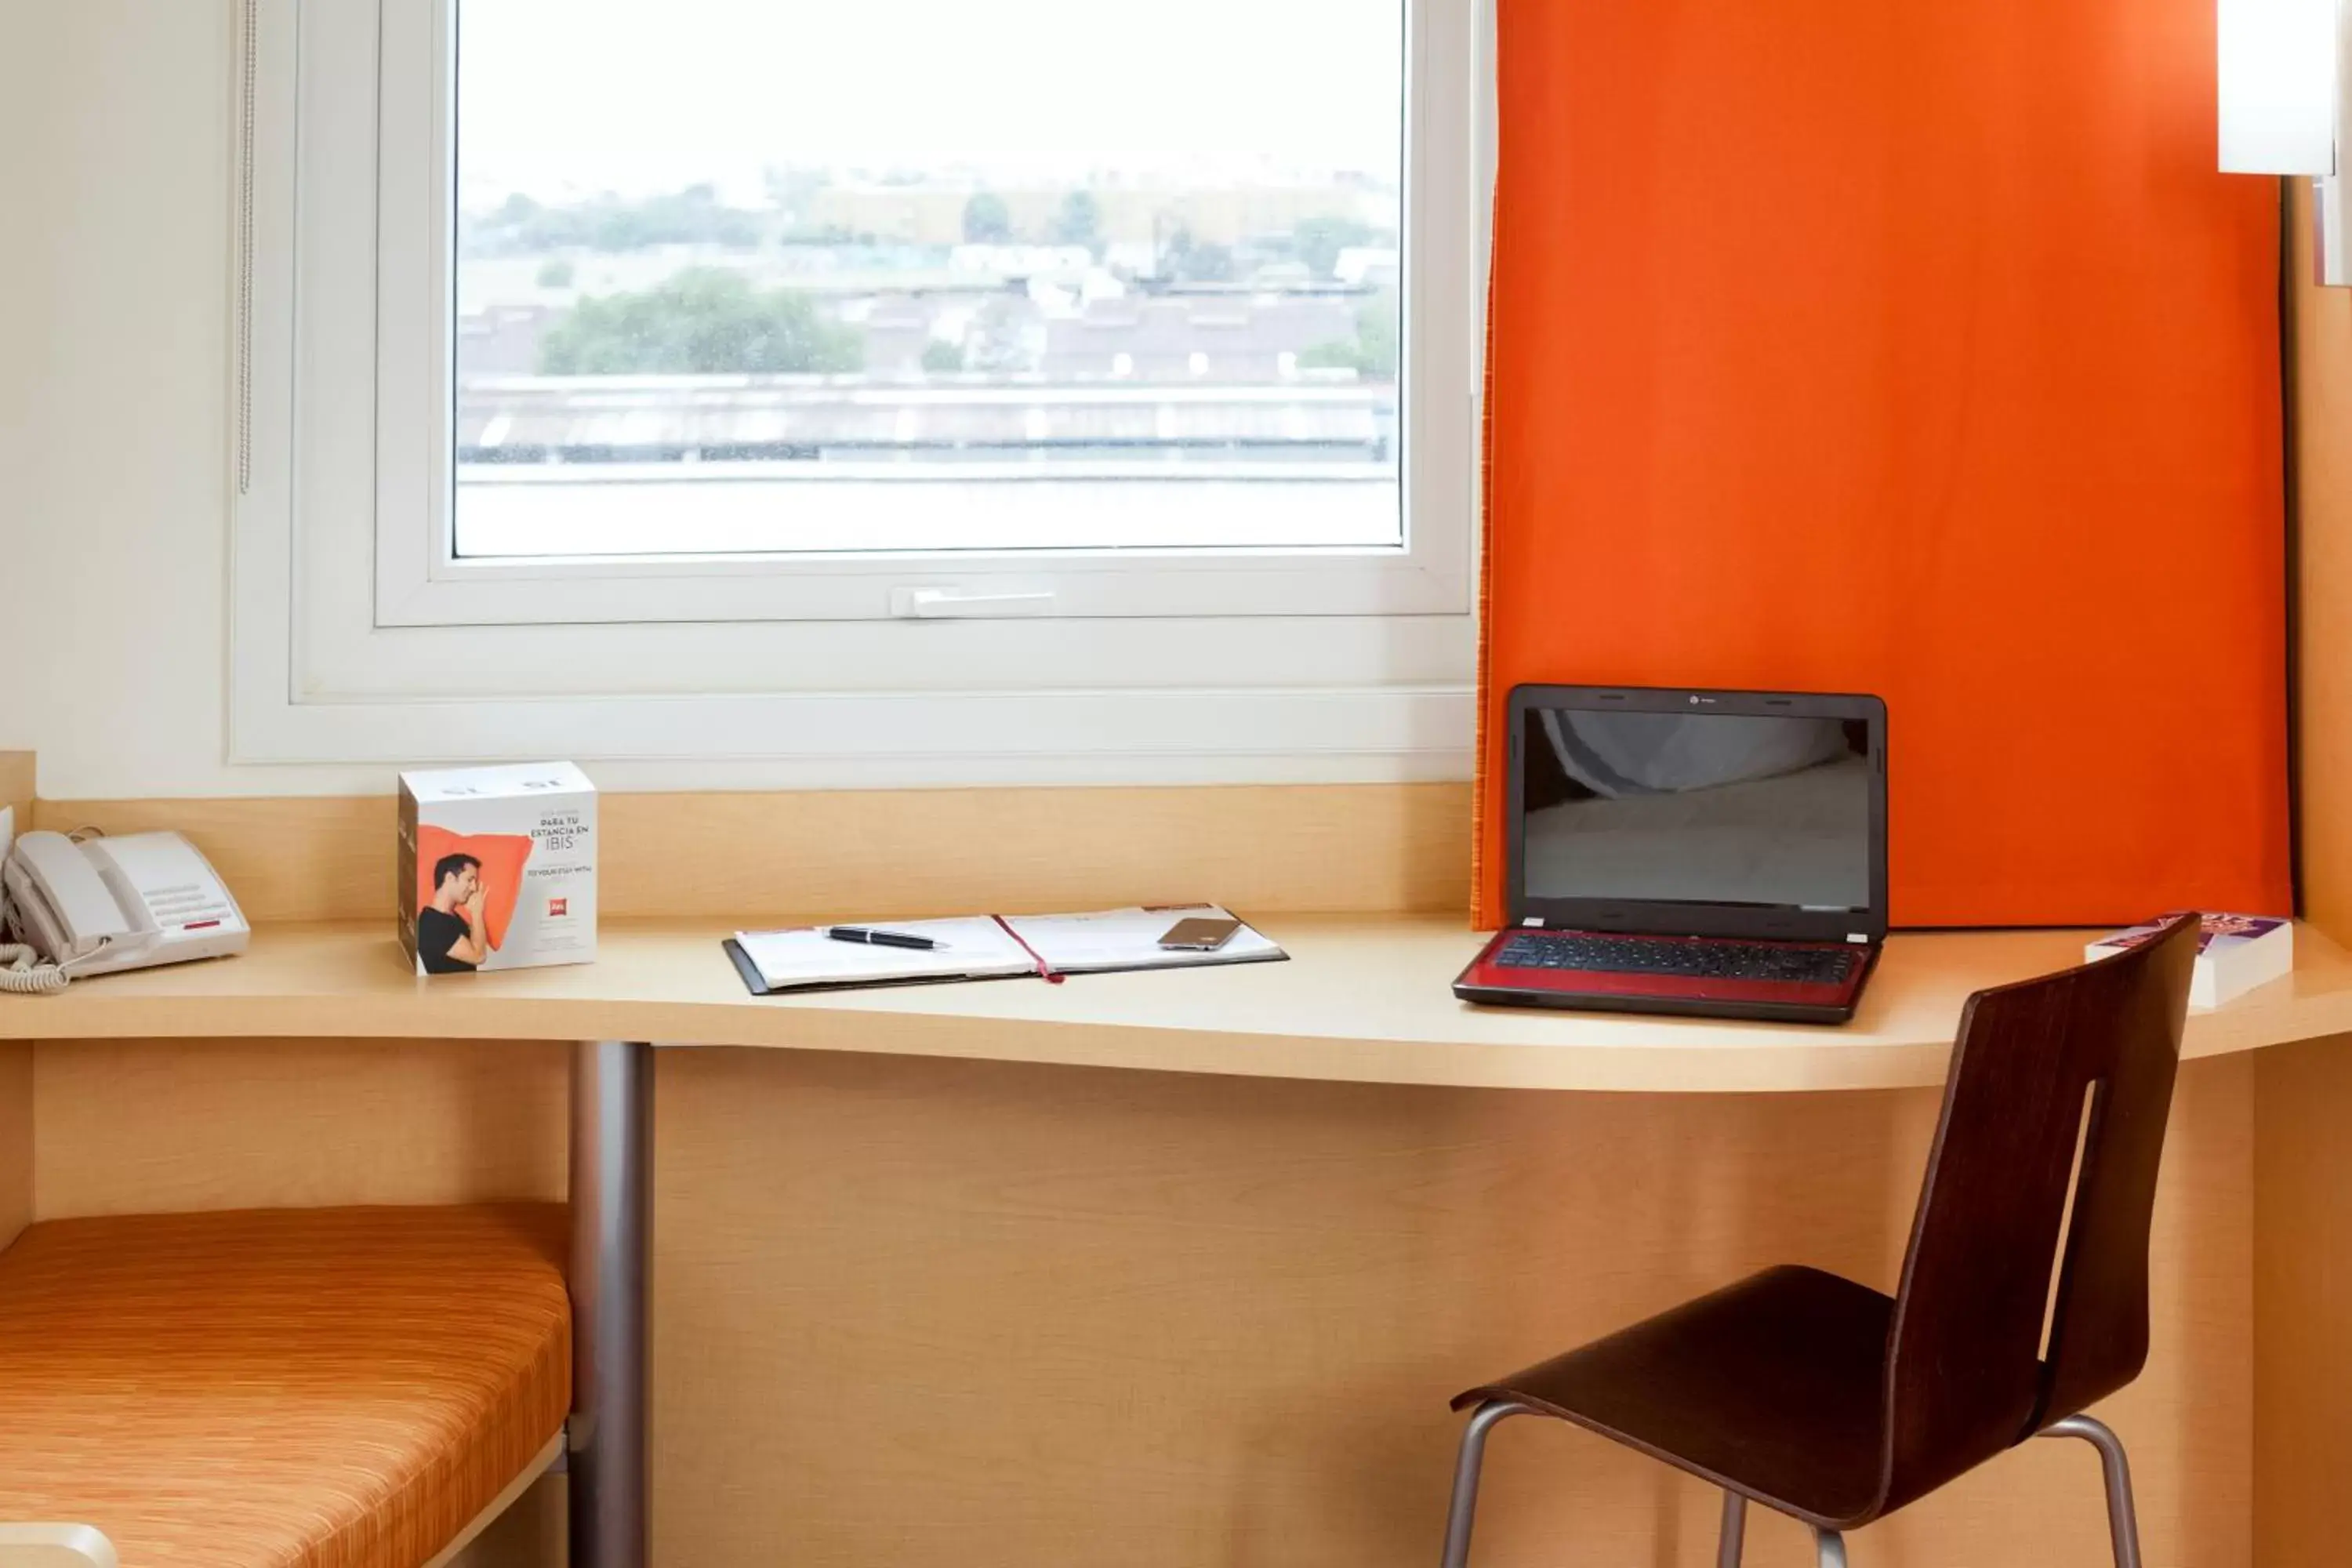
x,y
99,905
63,901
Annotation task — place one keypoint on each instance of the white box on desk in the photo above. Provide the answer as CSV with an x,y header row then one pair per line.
x,y
497,868
2234,954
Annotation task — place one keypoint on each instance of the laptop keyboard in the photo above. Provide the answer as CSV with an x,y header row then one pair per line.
x,y
1654,956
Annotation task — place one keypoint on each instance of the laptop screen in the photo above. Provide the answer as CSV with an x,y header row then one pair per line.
x,y
1712,808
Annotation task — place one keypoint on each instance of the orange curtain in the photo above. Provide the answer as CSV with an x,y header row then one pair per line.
x,y
1917,350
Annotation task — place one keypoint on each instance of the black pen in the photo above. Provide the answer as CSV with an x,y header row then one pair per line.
x,y
881,938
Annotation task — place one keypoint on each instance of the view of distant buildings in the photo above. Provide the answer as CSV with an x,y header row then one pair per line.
x,y
893,316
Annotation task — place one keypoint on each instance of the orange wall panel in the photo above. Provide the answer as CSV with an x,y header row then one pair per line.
x,y
1917,350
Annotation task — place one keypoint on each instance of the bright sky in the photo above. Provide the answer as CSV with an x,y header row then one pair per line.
x,y
562,97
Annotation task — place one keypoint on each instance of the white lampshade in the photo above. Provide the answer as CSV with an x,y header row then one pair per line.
x,y
2279,70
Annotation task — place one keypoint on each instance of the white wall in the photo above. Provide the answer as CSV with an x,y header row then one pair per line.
x,y
115,161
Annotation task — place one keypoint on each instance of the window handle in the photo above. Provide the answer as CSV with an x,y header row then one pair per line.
x,y
946,604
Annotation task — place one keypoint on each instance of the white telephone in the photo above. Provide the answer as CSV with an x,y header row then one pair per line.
x,y
99,905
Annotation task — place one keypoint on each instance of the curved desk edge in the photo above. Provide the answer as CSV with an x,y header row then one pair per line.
x,y
1364,999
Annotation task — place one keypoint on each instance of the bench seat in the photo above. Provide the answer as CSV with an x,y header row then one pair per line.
x,y
326,1388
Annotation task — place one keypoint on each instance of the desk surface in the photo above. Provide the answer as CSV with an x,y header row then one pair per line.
x,y
1365,998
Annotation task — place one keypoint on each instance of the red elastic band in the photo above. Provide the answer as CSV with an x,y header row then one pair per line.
x,y
1045,972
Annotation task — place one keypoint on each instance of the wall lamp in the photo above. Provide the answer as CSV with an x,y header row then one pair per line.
x,y
2282,111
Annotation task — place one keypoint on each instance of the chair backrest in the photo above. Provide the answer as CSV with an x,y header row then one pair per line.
x,y
2085,1060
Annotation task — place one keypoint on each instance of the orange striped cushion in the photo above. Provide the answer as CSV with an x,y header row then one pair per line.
x,y
334,1388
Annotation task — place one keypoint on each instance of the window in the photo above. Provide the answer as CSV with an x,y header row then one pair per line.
x,y
605,360
1059,275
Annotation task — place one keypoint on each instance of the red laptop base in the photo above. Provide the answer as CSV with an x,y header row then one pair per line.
x,y
1706,996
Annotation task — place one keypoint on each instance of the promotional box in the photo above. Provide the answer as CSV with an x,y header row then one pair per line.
x,y
2234,954
497,868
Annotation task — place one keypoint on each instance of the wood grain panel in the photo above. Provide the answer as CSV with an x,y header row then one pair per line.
x,y
2303,1388
2302,1299
979,1314
16,1137
17,777
1370,848
964,1314
530,1534
2321,374
749,856
314,858
132,1126
524,1529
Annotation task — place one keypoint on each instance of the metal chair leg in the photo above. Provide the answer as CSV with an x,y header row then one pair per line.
x,y
1465,1474
1735,1531
2123,1519
1831,1546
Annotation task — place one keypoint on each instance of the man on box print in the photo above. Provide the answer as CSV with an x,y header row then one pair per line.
x,y
451,932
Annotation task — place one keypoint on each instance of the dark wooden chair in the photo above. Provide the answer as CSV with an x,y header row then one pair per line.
x,y
1824,1399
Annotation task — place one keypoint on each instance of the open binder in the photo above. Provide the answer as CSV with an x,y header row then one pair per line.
x,y
986,947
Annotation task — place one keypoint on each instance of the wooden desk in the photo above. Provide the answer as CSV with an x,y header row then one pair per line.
x,y
1364,999
1043,1310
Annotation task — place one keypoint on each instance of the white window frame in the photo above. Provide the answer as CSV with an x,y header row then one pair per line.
x,y
356,636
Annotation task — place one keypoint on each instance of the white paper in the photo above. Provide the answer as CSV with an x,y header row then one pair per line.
x,y
1129,939
976,947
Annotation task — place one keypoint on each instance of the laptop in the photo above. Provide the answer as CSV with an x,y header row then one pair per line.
x,y
1716,853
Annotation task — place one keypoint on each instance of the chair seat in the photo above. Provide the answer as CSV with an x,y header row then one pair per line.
x,y
1773,1387
335,1388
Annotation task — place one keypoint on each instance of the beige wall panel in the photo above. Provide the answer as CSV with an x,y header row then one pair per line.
x,y
16,1137
1370,848
2321,351
968,1315
2303,1295
128,1126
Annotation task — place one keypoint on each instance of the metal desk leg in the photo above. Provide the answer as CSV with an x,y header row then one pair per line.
x,y
612,1235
